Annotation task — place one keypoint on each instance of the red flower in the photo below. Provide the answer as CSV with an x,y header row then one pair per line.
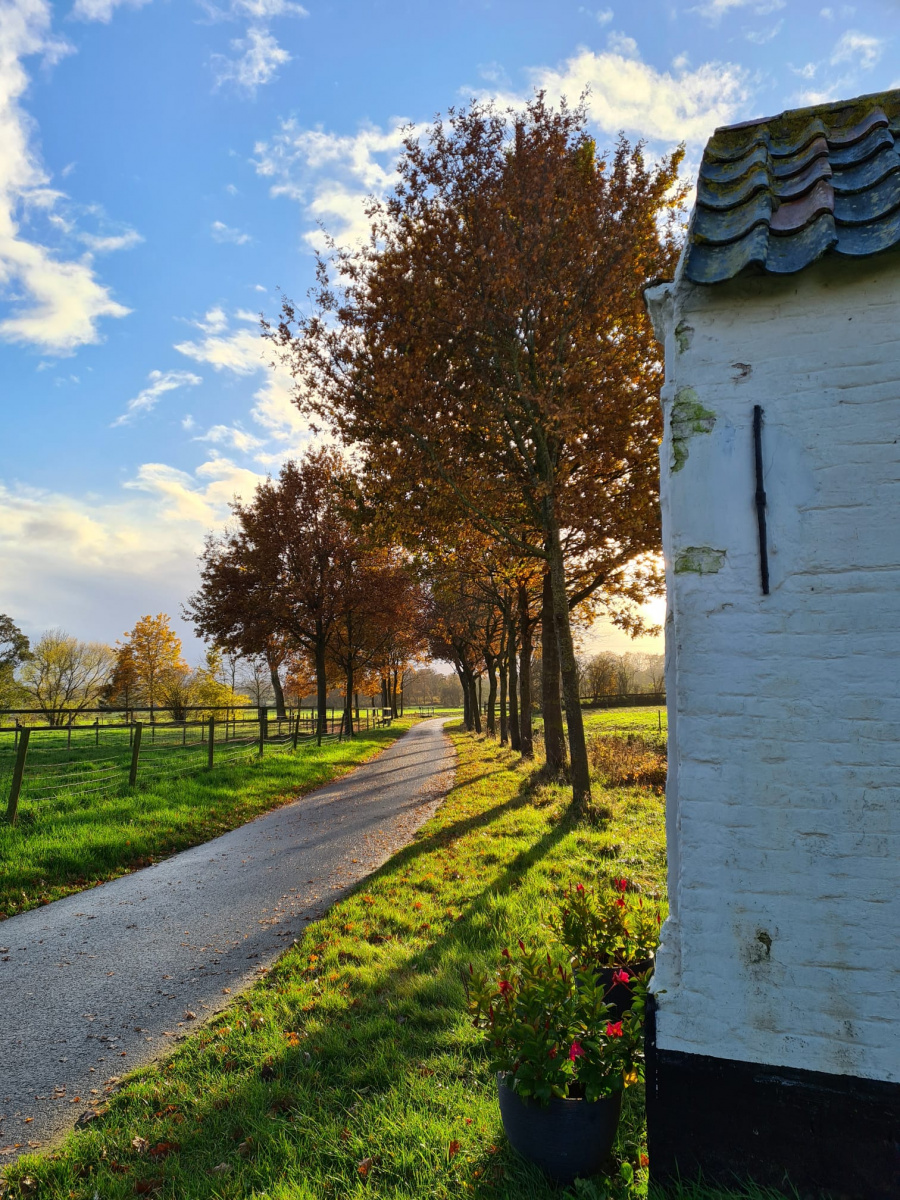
x,y
621,977
553,1052
579,887
621,885
620,903
521,945
505,987
577,1050
505,953
614,1029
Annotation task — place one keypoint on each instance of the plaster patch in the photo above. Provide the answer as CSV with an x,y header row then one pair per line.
x,y
684,335
689,417
699,560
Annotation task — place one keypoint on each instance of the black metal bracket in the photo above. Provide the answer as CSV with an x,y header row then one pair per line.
x,y
760,499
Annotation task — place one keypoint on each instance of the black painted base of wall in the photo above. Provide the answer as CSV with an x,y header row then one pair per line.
x,y
825,1135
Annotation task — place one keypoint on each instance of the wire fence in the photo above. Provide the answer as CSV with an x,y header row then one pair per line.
x,y
43,763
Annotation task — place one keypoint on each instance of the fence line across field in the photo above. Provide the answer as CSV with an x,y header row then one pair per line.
x,y
152,751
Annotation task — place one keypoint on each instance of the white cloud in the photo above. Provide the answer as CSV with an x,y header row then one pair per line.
x,y
224,233
243,352
623,92
233,436
620,43
214,320
715,10
760,36
102,10
602,16
860,49
333,175
267,10
105,245
148,398
57,303
258,58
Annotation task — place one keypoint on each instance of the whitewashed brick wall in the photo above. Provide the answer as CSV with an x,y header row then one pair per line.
x,y
783,807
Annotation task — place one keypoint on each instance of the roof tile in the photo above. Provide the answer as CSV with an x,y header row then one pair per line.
x,y
775,195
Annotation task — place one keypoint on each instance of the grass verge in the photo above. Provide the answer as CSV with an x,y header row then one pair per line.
x,y
71,843
352,1070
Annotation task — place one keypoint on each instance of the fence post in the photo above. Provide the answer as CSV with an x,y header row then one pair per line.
x,y
135,752
297,726
97,732
263,714
18,772
212,741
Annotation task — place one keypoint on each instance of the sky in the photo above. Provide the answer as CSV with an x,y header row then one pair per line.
x,y
167,170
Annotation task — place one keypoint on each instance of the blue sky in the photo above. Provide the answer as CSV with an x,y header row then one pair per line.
x,y
164,167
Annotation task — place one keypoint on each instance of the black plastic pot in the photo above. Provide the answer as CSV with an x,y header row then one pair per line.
x,y
567,1139
618,995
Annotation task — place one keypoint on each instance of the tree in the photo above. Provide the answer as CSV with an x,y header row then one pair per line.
x,y
14,650
149,660
276,574
489,352
63,676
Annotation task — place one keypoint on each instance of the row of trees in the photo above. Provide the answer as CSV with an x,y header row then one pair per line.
x,y
61,676
487,359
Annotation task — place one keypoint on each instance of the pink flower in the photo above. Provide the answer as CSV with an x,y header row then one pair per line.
x,y
621,977
577,1050
614,1029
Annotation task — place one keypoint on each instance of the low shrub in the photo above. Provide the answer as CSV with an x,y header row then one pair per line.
x,y
629,761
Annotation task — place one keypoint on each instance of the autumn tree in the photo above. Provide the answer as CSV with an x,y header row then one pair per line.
x,y
146,663
489,352
276,572
63,676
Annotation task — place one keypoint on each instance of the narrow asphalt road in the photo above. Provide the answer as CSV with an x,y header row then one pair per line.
x,y
100,982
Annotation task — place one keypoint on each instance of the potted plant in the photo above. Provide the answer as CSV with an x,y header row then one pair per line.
x,y
610,935
561,1059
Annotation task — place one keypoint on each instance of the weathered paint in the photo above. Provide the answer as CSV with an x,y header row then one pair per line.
x,y
688,417
699,560
783,804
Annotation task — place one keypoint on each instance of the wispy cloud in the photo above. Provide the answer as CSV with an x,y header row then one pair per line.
x,y
224,233
258,57
148,398
714,10
102,10
859,49
232,436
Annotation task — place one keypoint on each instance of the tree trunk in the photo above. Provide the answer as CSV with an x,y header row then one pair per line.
x,y
504,728
394,711
280,710
321,686
349,702
467,713
525,732
491,663
474,706
554,738
581,776
514,738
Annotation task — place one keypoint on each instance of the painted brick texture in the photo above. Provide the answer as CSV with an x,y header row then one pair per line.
x,y
783,808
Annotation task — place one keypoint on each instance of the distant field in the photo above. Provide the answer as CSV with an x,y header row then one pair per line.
x,y
626,720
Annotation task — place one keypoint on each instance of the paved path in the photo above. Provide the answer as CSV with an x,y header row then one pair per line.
x,y
98,983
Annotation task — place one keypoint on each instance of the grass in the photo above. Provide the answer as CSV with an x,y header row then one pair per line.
x,y
352,1069
69,842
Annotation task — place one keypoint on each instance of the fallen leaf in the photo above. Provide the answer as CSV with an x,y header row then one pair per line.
x,y
190,1016
220,1169
364,1167
345,1135
468,1120
246,1146
453,1148
644,1160
148,1187
140,1144
163,1149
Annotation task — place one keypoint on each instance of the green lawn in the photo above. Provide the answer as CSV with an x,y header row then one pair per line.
x,y
650,721
352,1069
66,842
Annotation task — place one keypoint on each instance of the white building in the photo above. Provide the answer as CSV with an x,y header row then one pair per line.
x,y
777,1027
